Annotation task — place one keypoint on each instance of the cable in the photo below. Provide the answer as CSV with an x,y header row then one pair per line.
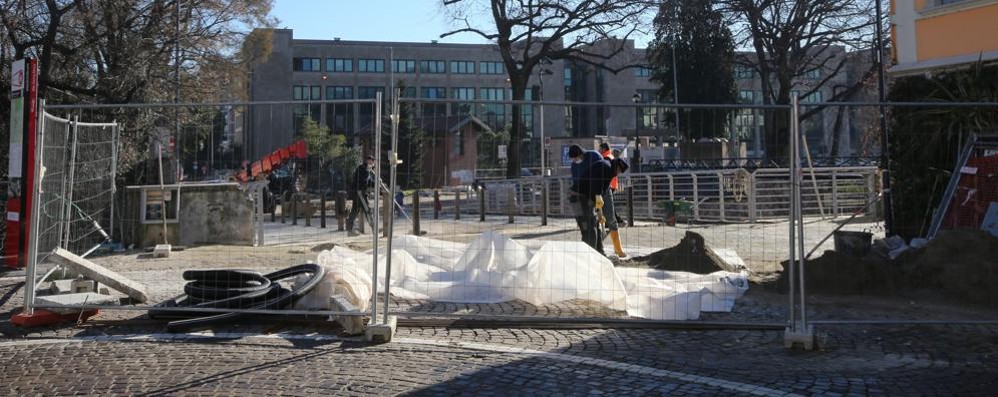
x,y
228,289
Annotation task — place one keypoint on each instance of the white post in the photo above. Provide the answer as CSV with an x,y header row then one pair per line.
x,y
376,131
68,196
393,158
114,172
30,265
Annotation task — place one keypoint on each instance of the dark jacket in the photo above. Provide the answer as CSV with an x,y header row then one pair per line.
x,y
592,176
363,178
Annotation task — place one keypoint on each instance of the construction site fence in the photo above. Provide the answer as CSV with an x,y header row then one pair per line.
x,y
763,213
727,195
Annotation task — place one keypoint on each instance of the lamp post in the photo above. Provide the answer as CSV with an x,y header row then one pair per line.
x,y
636,161
544,185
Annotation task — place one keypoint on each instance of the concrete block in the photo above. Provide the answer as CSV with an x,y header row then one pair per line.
x,y
161,251
100,274
804,337
79,301
61,287
352,325
81,285
381,333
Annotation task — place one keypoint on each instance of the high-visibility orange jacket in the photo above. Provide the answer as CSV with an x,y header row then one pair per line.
x,y
609,156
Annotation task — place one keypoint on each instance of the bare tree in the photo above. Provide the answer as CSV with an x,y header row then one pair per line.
x,y
792,39
529,32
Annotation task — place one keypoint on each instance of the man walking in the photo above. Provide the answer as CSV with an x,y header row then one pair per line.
x,y
591,176
363,181
609,211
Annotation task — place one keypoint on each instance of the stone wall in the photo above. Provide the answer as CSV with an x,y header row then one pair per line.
x,y
220,213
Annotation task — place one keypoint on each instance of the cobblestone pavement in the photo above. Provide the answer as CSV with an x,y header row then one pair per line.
x,y
908,360
109,356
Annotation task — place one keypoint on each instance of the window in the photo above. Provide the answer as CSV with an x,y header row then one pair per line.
x,y
371,65
491,68
339,65
642,72
434,67
746,96
336,92
465,94
744,72
493,114
648,115
339,116
367,109
307,93
813,74
370,92
409,92
403,66
812,97
306,65
434,92
462,67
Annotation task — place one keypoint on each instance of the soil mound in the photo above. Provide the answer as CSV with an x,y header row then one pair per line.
x,y
690,255
959,265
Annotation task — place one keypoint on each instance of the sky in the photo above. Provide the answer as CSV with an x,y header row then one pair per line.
x,y
371,20
367,20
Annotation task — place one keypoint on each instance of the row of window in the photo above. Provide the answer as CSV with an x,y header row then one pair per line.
x,y
313,93
749,97
743,72
398,66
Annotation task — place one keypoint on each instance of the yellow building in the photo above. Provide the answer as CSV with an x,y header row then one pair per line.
x,y
938,34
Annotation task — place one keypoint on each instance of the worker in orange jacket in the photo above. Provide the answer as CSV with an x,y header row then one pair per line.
x,y
609,212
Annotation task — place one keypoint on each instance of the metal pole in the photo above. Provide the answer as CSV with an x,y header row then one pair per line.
x,y
885,160
544,164
792,218
675,71
393,158
374,208
114,171
74,130
32,239
798,181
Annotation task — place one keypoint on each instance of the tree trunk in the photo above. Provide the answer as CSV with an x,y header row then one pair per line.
x,y
513,151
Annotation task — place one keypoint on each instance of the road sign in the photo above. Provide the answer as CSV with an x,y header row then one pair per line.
x,y
547,141
502,152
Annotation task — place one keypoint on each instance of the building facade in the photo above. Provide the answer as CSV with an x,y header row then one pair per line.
x,y
326,70
929,35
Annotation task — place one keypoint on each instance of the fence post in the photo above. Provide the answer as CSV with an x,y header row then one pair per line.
x,y
751,199
69,194
341,210
720,193
561,196
306,209
457,205
273,212
544,200
322,210
386,212
294,210
651,194
630,204
696,197
481,204
871,182
284,210
510,205
835,194
415,212
436,204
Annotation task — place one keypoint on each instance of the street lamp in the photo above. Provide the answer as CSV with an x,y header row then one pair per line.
x,y
541,72
636,161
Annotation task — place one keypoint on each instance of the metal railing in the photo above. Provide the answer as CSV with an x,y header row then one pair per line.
x,y
724,195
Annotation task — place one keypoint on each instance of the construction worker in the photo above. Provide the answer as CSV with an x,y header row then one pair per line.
x,y
591,176
363,181
609,212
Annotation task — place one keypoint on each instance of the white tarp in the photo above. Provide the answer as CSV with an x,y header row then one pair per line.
x,y
494,269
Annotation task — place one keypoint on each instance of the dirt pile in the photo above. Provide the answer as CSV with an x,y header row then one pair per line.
x,y
959,265
690,255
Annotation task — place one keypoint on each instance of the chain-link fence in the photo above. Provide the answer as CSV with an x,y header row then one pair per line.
x,y
491,216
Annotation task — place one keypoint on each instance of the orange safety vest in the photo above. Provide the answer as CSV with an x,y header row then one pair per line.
x,y
609,156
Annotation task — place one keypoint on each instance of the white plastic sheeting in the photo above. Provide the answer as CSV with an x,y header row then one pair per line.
x,y
494,269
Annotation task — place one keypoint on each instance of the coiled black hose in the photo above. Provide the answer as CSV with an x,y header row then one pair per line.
x,y
233,289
